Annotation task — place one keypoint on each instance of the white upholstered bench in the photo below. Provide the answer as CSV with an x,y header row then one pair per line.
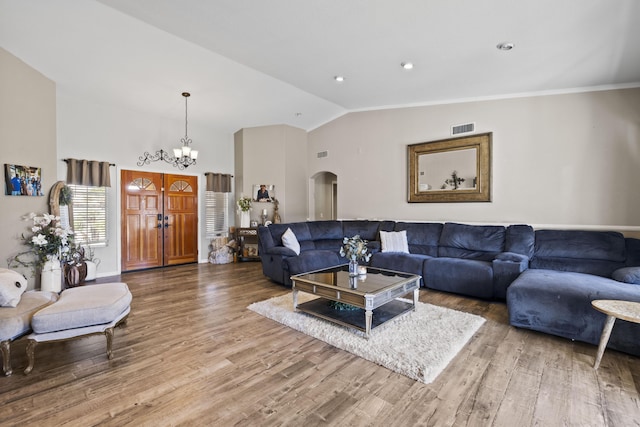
x,y
16,321
79,312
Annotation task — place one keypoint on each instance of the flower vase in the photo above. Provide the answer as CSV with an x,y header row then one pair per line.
x,y
245,219
353,267
51,276
92,268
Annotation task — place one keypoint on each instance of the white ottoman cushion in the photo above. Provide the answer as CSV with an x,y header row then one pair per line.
x,y
83,306
15,322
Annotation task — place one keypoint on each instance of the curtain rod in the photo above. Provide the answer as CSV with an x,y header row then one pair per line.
x,y
67,161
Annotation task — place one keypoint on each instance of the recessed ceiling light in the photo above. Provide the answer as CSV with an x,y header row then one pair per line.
x,y
505,46
407,65
339,79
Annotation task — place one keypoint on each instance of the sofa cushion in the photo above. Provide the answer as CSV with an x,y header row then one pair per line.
x,y
83,306
290,241
481,242
16,321
627,275
367,230
320,230
397,261
520,239
580,244
422,237
300,229
394,241
12,286
460,276
312,260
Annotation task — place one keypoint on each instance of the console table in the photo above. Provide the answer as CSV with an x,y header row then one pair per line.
x,y
247,239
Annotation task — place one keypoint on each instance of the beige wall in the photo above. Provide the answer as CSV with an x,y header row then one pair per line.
x,y
273,155
27,137
561,160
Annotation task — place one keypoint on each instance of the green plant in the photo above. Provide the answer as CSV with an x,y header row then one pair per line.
x,y
66,196
355,249
244,204
48,239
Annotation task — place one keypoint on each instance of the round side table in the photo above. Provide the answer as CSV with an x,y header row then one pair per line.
x,y
614,309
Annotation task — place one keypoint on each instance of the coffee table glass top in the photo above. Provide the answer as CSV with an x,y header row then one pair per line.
x,y
375,281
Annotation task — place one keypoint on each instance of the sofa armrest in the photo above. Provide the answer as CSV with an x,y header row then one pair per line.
x,y
507,266
627,275
512,257
280,250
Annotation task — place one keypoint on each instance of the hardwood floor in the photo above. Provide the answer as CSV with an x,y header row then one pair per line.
x,y
192,354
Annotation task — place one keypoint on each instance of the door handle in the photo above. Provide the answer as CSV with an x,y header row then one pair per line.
x,y
166,225
159,225
159,217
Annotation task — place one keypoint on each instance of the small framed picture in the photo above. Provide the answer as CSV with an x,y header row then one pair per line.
x,y
23,180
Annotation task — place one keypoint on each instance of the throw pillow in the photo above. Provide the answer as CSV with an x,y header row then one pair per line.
x,y
394,241
289,240
627,275
12,286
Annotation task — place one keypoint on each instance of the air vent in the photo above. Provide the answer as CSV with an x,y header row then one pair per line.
x,y
465,128
322,154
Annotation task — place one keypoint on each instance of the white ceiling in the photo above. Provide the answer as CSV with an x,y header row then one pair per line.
x,y
255,62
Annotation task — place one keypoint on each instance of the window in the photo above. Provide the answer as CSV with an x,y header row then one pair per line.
x,y
90,215
216,213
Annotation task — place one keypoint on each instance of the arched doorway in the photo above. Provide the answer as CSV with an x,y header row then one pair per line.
x,y
324,196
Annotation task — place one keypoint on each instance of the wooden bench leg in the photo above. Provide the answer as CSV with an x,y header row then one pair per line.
x,y
5,347
31,355
109,334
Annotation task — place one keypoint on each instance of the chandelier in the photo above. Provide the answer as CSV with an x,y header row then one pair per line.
x,y
182,157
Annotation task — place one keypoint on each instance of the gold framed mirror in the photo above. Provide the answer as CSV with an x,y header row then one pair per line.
x,y
450,170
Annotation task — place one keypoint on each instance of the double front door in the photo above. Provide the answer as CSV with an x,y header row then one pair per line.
x,y
159,219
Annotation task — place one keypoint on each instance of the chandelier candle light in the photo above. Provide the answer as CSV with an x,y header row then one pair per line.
x,y
183,157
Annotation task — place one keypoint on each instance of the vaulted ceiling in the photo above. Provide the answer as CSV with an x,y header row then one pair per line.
x,y
254,62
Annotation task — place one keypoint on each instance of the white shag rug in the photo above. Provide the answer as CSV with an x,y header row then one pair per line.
x,y
417,344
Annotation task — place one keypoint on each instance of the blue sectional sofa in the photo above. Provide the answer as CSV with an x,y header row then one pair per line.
x,y
548,277
568,270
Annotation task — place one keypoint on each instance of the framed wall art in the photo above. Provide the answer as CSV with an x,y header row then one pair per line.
x,y
22,180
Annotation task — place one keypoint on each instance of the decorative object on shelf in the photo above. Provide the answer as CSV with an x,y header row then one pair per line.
x,y
264,216
182,157
354,249
244,207
276,215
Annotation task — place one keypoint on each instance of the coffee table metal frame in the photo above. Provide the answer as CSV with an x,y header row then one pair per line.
x,y
378,289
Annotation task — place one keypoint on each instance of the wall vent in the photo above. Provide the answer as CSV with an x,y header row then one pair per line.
x,y
465,128
322,154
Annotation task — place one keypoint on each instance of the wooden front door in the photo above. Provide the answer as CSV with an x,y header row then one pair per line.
x,y
159,219
180,219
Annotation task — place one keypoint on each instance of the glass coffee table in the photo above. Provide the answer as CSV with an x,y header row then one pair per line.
x,y
375,297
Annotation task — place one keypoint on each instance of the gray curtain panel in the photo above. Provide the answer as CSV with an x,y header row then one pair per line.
x,y
218,182
88,172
